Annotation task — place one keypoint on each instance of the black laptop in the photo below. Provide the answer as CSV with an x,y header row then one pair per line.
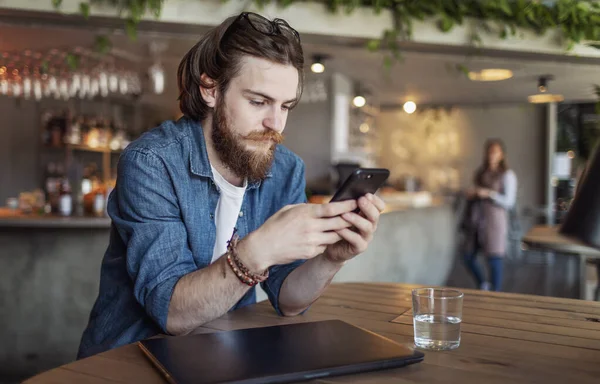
x,y
279,354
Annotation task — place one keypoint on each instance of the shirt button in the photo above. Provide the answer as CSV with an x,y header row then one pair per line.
x,y
212,216
241,214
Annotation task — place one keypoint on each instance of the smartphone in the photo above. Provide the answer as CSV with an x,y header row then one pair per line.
x,y
361,182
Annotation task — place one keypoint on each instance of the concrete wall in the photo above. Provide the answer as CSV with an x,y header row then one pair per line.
x,y
405,250
444,147
308,134
49,281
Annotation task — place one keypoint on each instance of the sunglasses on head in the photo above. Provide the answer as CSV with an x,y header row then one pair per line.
x,y
263,25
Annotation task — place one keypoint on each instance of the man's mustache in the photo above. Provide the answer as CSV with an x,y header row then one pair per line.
x,y
276,137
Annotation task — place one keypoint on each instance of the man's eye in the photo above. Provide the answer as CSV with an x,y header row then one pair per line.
x,y
257,103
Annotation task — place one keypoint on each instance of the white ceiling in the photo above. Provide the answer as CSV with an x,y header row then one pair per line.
x,y
425,77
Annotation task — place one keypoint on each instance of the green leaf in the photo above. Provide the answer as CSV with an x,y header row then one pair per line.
x,y
72,61
56,3
445,24
374,45
505,7
476,39
102,45
387,62
44,67
463,69
131,29
84,8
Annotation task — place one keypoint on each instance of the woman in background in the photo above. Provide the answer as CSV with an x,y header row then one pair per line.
x,y
487,230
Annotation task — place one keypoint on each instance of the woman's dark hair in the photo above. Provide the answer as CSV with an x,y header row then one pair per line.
x,y
503,166
219,54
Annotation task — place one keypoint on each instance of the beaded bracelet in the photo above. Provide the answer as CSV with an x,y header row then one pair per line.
x,y
238,268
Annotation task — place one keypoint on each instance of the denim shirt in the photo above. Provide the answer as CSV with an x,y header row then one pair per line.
x,y
163,227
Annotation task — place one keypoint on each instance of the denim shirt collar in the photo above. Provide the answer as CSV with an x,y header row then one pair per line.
x,y
199,163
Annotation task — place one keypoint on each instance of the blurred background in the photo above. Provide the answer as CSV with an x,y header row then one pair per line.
x,y
75,91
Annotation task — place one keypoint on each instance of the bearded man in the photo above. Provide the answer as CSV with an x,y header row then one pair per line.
x,y
207,207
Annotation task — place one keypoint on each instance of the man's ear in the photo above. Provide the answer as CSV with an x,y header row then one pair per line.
x,y
209,93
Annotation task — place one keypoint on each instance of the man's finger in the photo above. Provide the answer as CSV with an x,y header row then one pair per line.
x,y
328,238
332,224
354,239
377,201
335,209
368,209
364,226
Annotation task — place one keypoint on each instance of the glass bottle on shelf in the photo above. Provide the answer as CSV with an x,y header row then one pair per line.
x,y
74,136
98,203
104,133
85,129
93,136
65,200
51,186
45,123
55,129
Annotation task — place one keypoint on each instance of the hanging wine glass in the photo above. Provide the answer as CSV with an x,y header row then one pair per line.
x,y
3,87
113,82
27,87
37,88
123,84
103,83
63,88
157,77
85,85
75,84
16,88
53,87
94,88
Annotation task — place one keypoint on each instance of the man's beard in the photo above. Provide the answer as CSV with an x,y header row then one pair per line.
x,y
249,164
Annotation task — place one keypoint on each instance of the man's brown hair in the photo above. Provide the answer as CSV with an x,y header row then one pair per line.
x,y
219,53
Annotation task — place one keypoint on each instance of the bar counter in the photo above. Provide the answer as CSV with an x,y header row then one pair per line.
x,y
15,219
50,270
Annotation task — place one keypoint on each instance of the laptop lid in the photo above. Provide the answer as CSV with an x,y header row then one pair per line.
x,y
277,354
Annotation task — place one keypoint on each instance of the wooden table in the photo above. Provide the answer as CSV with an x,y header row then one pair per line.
x,y
506,338
545,237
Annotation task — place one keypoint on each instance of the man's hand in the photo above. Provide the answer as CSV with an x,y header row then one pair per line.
x,y
296,232
356,241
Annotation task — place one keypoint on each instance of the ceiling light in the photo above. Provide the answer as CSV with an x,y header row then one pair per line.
x,y
410,107
491,74
317,68
317,65
359,101
364,128
544,97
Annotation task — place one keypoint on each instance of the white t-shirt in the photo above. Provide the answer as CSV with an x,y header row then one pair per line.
x,y
227,212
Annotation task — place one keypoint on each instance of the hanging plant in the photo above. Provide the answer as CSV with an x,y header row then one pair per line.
x,y
577,20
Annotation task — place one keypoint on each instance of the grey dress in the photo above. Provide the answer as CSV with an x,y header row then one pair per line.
x,y
490,229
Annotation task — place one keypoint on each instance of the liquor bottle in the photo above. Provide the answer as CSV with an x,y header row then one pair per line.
x,y
65,202
51,186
